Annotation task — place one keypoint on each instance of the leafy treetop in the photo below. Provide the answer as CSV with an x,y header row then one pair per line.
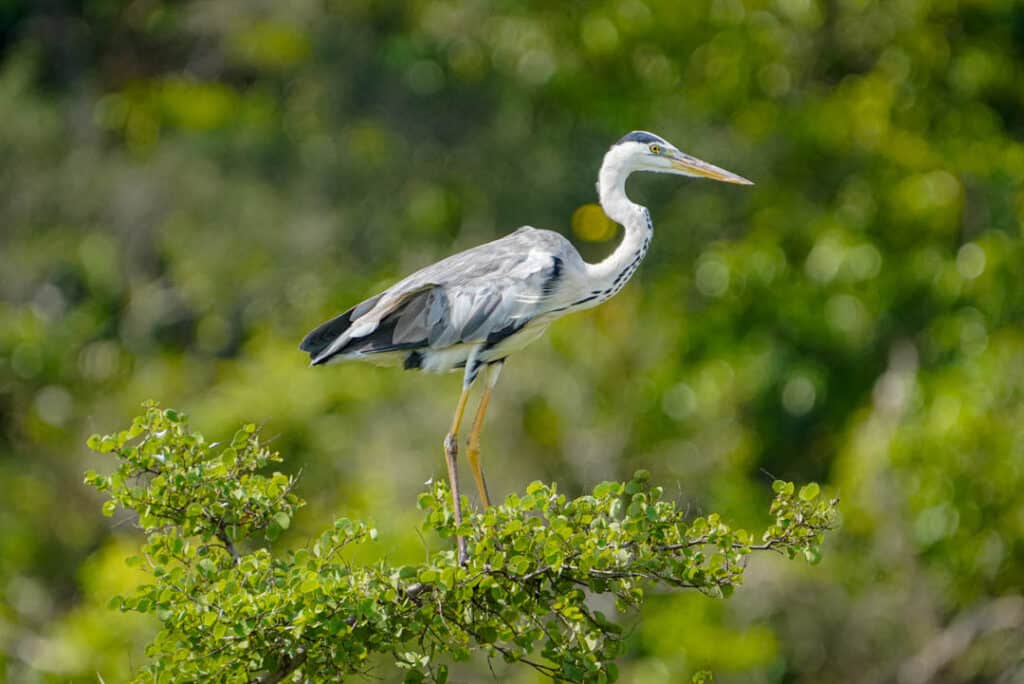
x,y
232,611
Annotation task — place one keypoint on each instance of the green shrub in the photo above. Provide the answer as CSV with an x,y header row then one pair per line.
x,y
231,610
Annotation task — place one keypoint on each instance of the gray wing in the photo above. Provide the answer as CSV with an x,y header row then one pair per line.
x,y
477,296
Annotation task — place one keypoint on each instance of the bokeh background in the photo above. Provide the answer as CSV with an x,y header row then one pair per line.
x,y
186,188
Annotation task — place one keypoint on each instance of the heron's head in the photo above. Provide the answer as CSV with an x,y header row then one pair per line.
x,y
643,151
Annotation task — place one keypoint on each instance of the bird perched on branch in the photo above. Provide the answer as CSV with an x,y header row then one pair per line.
x,y
470,311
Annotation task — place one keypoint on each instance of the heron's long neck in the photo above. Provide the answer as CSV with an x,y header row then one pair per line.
x,y
611,274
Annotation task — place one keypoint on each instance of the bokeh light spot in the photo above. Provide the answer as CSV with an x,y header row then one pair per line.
x,y
973,337
536,66
99,360
679,402
425,77
590,223
845,314
798,395
824,260
270,45
48,303
600,37
935,523
864,262
970,261
54,405
712,275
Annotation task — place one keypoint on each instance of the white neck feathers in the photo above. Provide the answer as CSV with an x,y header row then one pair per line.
x,y
608,276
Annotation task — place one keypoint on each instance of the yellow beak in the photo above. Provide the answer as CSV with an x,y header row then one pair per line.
x,y
695,167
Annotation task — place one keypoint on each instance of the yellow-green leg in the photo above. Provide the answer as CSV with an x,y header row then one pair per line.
x,y
473,445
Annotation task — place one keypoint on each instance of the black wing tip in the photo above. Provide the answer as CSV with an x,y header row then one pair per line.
x,y
314,345
324,335
313,349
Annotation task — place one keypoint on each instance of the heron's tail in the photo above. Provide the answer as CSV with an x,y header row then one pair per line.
x,y
327,338
378,325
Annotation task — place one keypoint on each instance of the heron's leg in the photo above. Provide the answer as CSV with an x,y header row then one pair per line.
x,y
451,451
473,447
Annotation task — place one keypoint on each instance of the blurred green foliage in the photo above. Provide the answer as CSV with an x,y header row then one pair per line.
x,y
187,188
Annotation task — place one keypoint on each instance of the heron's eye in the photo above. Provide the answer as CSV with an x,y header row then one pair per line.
x,y
655,149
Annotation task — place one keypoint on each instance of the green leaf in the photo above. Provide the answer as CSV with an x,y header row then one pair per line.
x,y
413,676
809,492
282,519
519,565
109,507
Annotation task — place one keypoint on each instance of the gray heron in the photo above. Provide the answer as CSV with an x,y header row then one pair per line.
x,y
470,311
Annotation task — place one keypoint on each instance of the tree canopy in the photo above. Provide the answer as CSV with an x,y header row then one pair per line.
x,y
537,566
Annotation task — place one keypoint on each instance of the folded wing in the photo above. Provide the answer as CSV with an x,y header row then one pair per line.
x,y
472,297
